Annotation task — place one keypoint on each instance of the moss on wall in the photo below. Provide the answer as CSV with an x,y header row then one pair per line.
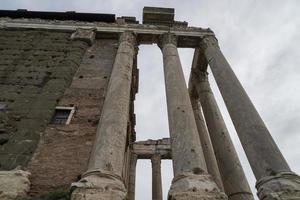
x,y
35,69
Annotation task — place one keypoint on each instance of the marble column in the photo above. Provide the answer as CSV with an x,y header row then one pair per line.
x,y
156,177
191,181
132,173
274,177
234,180
103,178
209,155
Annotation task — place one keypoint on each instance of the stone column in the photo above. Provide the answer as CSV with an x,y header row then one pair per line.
x,y
275,179
103,178
209,155
156,177
131,185
234,180
191,180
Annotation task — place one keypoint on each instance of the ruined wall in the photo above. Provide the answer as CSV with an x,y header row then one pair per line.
x,y
35,69
63,152
40,70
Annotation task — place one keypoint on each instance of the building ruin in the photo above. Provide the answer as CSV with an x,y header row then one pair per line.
x,y
68,83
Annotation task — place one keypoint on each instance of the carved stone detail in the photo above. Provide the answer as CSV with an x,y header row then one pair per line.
x,y
208,41
128,36
167,38
282,186
98,185
188,186
86,35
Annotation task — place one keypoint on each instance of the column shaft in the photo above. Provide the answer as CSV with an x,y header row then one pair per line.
x,y
132,173
209,155
269,166
234,180
109,145
253,133
103,177
186,149
156,178
191,180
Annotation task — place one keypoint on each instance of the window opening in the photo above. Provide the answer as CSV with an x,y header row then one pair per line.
x,y
62,115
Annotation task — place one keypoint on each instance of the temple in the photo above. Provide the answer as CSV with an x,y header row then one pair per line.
x,y
67,122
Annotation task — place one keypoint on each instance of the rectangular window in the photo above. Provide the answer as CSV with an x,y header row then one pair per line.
x,y
62,115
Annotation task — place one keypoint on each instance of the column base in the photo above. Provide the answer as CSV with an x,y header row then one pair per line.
x,y
282,186
14,184
99,185
189,186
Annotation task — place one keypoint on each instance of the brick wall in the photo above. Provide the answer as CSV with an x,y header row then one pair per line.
x,y
63,152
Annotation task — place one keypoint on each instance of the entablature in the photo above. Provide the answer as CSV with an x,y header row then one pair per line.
x,y
188,37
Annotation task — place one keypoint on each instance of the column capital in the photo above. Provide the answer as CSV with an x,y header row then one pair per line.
x,y
86,35
201,82
167,38
194,100
208,41
199,76
128,36
156,158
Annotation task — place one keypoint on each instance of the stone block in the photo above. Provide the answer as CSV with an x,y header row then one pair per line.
x,y
14,184
158,16
84,35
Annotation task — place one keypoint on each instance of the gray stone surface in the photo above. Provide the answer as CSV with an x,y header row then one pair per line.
x,y
99,185
263,154
86,35
233,177
158,16
188,186
107,157
156,177
210,158
188,159
254,135
132,175
14,184
282,186
147,34
187,153
146,149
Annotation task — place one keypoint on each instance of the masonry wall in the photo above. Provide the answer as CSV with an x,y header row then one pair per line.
x,y
63,152
40,70
36,67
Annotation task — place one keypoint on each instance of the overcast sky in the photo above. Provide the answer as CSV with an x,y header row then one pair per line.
x,y
261,41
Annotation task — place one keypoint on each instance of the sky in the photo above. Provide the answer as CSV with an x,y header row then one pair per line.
x,y
261,41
